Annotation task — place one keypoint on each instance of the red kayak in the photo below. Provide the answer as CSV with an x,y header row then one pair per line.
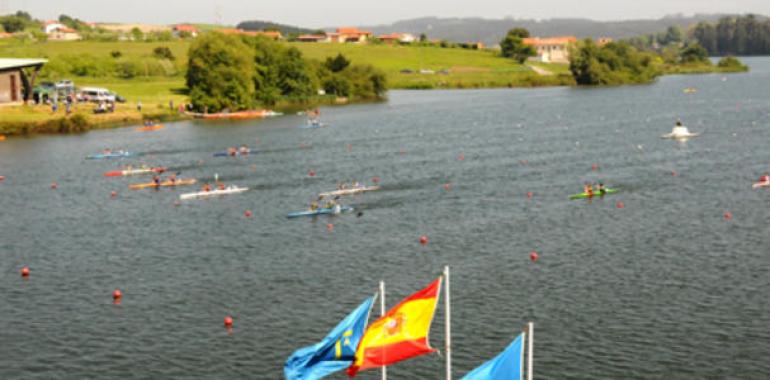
x,y
128,171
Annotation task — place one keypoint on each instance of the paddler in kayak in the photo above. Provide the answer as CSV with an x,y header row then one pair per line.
x,y
765,178
206,187
588,190
172,179
156,180
602,190
232,151
244,150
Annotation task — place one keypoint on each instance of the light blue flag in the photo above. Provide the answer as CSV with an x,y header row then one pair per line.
x,y
335,352
505,366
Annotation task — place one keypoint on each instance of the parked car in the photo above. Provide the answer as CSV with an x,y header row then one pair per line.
x,y
96,95
118,98
65,86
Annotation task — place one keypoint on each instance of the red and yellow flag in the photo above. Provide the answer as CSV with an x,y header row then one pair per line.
x,y
400,334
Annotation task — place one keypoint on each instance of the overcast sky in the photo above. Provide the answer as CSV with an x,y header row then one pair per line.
x,y
321,13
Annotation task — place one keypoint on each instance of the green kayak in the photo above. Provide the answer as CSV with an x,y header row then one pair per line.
x,y
594,195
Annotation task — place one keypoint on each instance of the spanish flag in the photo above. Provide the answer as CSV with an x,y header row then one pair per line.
x,y
402,333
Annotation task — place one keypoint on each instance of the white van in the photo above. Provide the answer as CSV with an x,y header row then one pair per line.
x,y
96,94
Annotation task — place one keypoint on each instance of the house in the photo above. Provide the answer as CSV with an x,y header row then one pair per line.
x,y
313,38
50,26
15,83
396,37
349,34
5,35
64,34
552,49
179,29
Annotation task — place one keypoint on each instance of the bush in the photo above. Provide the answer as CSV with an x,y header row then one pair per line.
x,y
731,62
116,54
163,52
612,64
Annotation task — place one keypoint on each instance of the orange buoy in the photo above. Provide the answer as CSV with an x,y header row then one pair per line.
x,y
117,294
247,213
311,173
54,185
529,194
113,194
376,179
447,186
423,240
728,215
461,157
533,256
25,272
2,178
620,204
524,162
330,227
228,321
674,173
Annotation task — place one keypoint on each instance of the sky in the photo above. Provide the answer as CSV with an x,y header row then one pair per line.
x,y
327,13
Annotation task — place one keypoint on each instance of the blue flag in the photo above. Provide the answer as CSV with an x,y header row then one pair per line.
x,y
505,366
335,352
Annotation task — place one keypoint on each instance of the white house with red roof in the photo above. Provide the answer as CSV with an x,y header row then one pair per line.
x,y
177,30
552,49
57,31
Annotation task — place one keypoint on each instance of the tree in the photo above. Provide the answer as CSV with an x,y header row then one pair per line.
x,y
337,63
512,46
13,24
694,53
163,52
673,35
423,37
136,34
612,64
220,73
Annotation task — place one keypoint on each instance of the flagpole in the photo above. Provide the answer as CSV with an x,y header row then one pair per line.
x,y
448,333
382,313
531,336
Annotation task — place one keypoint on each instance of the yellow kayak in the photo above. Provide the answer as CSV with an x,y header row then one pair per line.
x,y
179,182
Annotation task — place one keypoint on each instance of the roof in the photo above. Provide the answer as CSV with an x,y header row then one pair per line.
x,y
66,30
185,28
550,41
311,37
392,36
14,63
352,31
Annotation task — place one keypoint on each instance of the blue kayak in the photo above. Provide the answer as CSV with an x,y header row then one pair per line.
x,y
100,156
320,211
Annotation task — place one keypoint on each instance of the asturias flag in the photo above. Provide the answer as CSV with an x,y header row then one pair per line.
x,y
505,366
400,334
335,352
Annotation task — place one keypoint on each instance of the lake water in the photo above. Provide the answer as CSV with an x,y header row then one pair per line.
x,y
663,288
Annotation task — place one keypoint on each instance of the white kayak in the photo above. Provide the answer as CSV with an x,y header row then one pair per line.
x,y
213,193
352,191
760,184
679,132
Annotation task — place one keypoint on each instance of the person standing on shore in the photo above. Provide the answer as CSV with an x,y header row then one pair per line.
x,y
139,106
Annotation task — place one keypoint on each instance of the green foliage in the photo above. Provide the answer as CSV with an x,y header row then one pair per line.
x,y
137,34
613,64
14,23
159,36
73,23
337,63
694,53
163,52
731,63
116,54
220,73
423,37
512,46
743,35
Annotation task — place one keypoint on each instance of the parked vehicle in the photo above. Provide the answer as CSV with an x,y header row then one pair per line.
x,y
96,95
118,98
46,91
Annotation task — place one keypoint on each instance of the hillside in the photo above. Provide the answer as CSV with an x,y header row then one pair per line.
x,y
490,31
267,25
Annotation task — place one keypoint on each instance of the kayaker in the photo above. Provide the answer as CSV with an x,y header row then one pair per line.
x,y
765,177
156,181
172,179
206,187
313,206
601,189
232,151
244,150
221,185
588,190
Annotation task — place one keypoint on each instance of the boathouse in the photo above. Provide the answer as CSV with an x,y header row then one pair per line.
x,y
17,78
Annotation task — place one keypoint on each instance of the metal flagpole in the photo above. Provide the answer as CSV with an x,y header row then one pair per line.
x,y
531,336
382,313
448,316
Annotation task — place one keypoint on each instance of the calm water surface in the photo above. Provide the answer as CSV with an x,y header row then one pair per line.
x,y
663,288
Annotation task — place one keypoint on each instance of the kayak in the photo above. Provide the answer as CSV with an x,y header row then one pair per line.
x,y
313,126
240,115
679,132
2,137
352,191
150,128
225,154
760,184
595,194
320,211
99,156
179,182
128,172
205,194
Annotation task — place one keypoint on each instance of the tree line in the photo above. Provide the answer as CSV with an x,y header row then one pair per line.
x,y
743,35
236,72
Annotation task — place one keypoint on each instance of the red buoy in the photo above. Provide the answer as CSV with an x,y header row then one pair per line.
x,y
529,194
423,240
54,185
113,194
674,173
595,167
461,157
311,173
117,294
228,321
728,215
350,147
402,152
533,256
247,213
447,186
620,204
376,179
330,227
25,272
2,178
